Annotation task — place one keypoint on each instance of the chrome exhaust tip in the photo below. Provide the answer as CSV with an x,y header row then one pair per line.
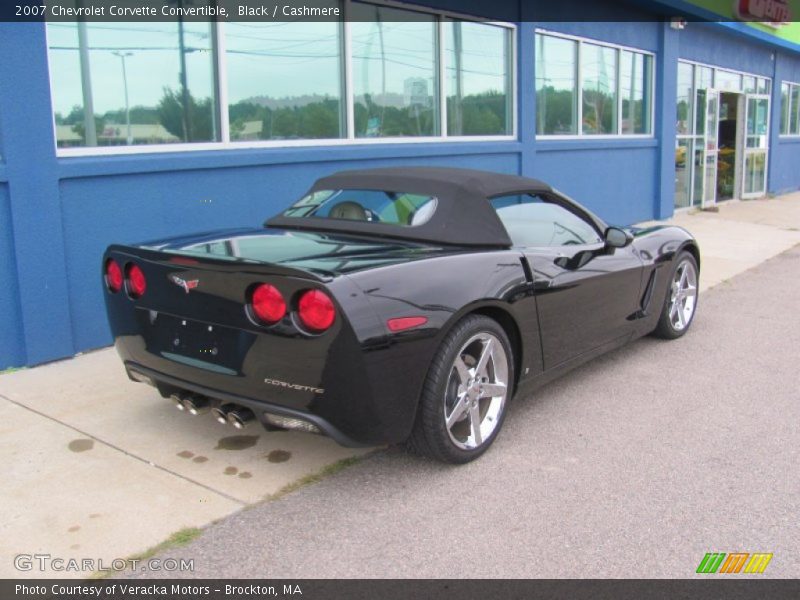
x,y
239,417
221,412
177,399
195,404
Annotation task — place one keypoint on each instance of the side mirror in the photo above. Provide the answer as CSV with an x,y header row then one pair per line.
x,y
618,238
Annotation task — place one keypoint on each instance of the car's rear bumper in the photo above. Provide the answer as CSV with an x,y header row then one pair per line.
x,y
140,373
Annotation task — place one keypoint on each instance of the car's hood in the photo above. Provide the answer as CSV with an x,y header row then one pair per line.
x,y
316,251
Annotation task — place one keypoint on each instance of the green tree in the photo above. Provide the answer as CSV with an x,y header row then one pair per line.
x,y
190,123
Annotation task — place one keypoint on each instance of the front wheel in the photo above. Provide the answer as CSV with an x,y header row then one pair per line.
x,y
681,299
466,392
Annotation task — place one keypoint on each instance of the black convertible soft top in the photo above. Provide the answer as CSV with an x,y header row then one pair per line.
x,y
463,215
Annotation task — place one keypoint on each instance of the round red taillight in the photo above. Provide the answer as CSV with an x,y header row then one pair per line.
x,y
137,284
316,311
268,304
113,276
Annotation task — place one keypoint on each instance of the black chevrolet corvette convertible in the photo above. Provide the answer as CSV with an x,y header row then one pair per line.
x,y
401,305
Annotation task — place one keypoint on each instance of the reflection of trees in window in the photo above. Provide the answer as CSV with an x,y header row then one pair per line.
x,y
556,85
614,94
478,83
284,80
117,83
184,117
394,72
556,109
166,67
790,109
300,118
599,87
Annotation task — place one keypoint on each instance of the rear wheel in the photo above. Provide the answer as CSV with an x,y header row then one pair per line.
x,y
680,302
466,392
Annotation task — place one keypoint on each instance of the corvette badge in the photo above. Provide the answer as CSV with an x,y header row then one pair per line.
x,y
187,285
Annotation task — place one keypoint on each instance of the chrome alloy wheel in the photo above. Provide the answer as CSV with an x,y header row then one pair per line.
x,y
683,296
476,391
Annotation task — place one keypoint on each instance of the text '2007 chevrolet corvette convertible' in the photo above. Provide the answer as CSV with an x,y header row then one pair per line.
x,y
394,305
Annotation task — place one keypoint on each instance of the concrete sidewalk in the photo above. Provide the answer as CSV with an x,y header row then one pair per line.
x,y
96,466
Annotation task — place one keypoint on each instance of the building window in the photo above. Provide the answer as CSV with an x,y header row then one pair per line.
x,y
407,74
586,88
283,80
556,86
394,72
599,89
790,108
635,77
478,79
132,83
685,100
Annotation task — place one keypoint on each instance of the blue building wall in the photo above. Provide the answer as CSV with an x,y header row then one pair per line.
x,y
12,342
713,45
784,161
57,215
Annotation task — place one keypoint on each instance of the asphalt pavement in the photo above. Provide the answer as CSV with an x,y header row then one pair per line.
x,y
634,465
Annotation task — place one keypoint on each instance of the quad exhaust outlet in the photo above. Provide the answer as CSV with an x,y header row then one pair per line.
x,y
225,413
239,417
177,400
221,412
196,405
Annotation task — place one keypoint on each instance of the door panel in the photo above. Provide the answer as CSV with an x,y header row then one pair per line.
x,y
711,100
585,297
754,174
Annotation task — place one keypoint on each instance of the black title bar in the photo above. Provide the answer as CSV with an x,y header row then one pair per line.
x,y
366,589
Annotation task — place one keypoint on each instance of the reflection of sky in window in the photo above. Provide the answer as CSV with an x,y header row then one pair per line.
x,y
154,63
281,60
483,57
598,68
264,59
555,65
406,49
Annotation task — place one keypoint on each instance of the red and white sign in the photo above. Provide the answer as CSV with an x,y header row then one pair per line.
x,y
775,13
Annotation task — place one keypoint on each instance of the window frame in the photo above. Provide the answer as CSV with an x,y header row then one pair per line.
x,y
346,73
789,134
619,48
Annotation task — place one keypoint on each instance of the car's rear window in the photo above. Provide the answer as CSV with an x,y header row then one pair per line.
x,y
371,206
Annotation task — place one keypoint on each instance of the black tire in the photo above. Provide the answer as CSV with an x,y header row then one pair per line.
x,y
667,328
430,436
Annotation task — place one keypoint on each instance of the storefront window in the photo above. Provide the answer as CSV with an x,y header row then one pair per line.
x,y
727,81
685,99
710,165
613,97
132,83
683,158
556,85
394,72
635,78
790,108
284,81
478,79
705,77
599,89
171,83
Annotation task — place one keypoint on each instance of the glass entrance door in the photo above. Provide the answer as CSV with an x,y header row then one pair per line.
x,y
756,150
710,144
